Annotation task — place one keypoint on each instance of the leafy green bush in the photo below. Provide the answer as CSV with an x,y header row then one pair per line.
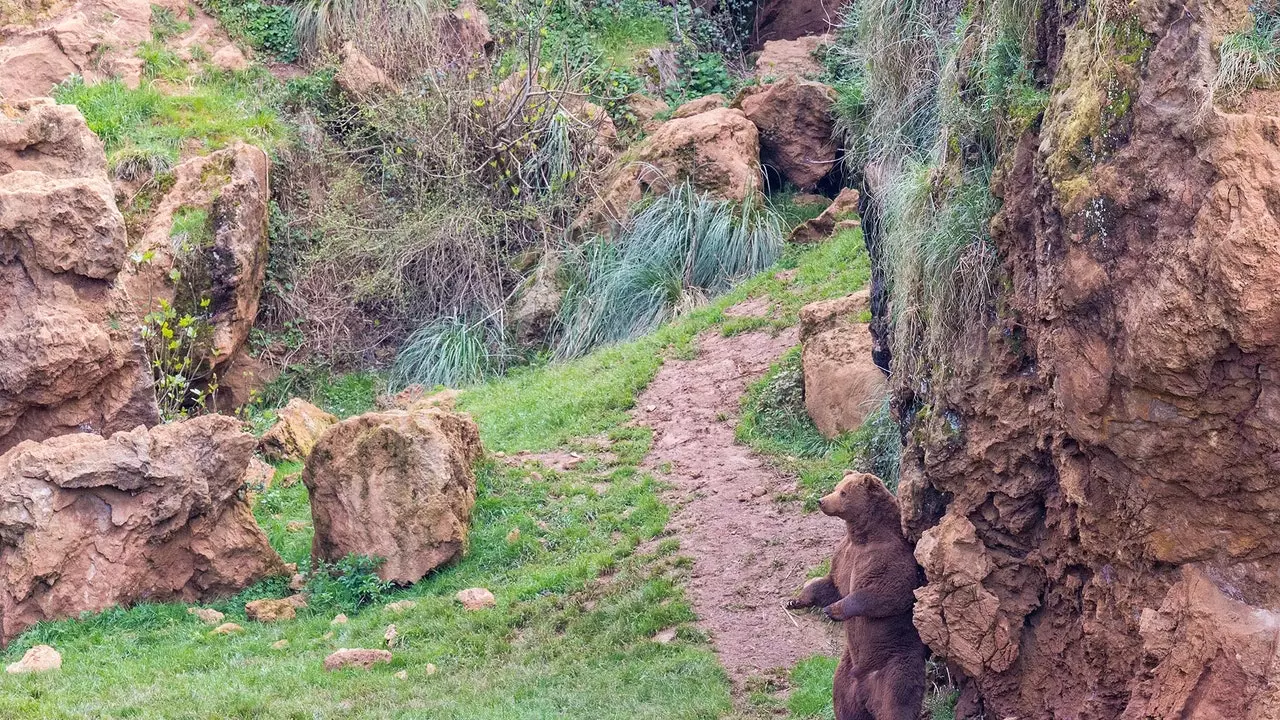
x,y
265,26
683,246
350,584
702,73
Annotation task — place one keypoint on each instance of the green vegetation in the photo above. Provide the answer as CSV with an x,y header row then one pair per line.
x,y
812,680
682,248
1250,58
145,128
264,26
452,352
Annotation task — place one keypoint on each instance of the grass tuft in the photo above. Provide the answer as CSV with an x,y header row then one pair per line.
x,y
452,352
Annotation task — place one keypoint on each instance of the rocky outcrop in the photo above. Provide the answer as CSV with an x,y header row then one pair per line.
x,y
70,357
1096,499
298,428
717,150
88,522
211,230
699,105
95,40
796,128
537,304
358,76
396,485
780,58
843,209
792,19
841,383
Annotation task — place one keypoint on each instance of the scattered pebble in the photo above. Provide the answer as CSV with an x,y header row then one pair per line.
x,y
476,599
40,658
390,635
355,657
664,637
339,619
431,669
513,536
295,526
275,610
759,491
402,675
226,629
297,582
279,644
207,615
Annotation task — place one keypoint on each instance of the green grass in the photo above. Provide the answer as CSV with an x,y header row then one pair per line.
x,y
811,683
578,601
158,124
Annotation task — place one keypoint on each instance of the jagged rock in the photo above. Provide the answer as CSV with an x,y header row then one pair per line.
x,y
396,485
643,110
225,264
841,383
796,128
258,475
537,304
791,19
88,522
40,658
842,209
357,658
70,357
780,58
1095,486
699,105
359,76
718,150
476,599
91,41
298,427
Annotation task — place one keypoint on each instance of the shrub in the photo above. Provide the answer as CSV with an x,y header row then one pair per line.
x,y
173,344
265,26
349,584
452,352
682,247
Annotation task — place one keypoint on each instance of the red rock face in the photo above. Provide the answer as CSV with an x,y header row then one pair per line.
x,y
70,359
1096,505
88,522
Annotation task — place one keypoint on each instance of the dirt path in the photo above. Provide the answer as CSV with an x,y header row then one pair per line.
x,y
750,552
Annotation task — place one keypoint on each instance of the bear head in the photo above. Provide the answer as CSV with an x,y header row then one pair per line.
x,y
862,499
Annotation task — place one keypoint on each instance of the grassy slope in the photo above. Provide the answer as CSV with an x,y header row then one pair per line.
x,y
578,605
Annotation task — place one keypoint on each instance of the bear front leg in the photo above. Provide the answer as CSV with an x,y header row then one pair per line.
x,y
867,603
817,592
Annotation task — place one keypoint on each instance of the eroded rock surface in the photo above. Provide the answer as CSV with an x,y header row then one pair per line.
x,y
796,128
1096,502
780,58
70,357
88,522
298,428
842,385
396,485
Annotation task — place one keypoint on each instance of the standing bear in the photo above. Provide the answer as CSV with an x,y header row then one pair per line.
x,y
871,590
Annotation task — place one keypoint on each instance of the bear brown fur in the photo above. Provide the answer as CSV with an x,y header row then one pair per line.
x,y
871,589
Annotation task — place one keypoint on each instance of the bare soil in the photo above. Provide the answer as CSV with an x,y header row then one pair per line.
x,y
751,551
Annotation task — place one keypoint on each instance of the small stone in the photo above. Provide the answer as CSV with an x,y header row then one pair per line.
x,y
402,675
279,644
476,599
295,526
743,497
513,536
209,616
297,582
665,637
390,635
542,525
536,476
431,669
355,657
327,636
273,610
40,658
401,606
759,491
226,629
499,454
339,619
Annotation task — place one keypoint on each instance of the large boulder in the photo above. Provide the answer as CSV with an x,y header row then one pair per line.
x,y
298,428
70,357
397,485
94,39
796,128
841,383
88,522
780,58
717,150
211,228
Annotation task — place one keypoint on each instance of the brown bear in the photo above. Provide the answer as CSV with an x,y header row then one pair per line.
x,y
871,589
